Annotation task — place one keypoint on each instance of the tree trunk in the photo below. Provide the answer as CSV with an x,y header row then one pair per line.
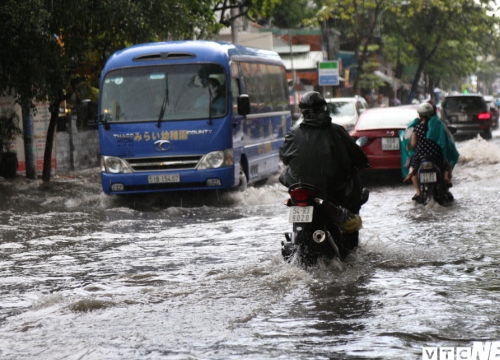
x,y
360,60
416,79
29,147
47,156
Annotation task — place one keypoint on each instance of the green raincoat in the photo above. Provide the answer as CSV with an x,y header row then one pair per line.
x,y
436,132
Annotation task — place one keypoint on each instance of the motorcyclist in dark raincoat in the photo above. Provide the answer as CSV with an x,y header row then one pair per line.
x,y
323,154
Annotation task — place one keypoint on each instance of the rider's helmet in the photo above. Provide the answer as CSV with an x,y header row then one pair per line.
x,y
425,109
312,104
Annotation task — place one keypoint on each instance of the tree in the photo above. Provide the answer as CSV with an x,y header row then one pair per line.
x,y
445,36
89,31
357,21
54,49
250,9
25,60
289,14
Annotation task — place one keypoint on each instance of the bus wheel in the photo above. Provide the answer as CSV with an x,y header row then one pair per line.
x,y
243,181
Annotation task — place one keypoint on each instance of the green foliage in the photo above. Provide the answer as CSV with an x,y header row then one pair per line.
x,y
368,80
29,52
289,14
358,22
254,10
444,37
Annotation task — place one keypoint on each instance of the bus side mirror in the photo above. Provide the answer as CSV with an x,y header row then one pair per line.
x,y
243,104
88,112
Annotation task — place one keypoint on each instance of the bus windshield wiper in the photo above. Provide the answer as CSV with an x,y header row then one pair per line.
x,y
165,101
210,99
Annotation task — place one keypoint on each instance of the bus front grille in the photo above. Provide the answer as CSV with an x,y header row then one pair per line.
x,y
167,186
164,163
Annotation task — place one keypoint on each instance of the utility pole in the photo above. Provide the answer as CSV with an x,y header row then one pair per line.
x,y
294,74
235,25
29,143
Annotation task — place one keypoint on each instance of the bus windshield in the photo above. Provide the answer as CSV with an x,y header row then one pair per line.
x,y
187,91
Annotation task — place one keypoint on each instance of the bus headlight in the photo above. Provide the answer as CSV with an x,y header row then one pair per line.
x,y
114,165
216,159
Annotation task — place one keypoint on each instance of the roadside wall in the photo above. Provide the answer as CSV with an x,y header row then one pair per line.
x,y
76,149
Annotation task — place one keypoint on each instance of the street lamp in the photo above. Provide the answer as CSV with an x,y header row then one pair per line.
x,y
376,31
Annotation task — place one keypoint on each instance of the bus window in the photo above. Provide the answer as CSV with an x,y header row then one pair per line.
x,y
252,85
137,93
265,89
278,87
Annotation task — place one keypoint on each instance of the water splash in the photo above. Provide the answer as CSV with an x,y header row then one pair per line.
x,y
479,151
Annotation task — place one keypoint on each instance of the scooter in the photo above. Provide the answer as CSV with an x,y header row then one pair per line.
x,y
316,226
429,175
432,186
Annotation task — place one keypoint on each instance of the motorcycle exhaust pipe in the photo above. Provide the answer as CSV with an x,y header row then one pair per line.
x,y
319,236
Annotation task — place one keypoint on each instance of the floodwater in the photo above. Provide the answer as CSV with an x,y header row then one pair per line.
x,y
87,276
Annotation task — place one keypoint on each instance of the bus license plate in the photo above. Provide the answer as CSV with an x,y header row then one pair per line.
x,y
301,214
156,179
428,177
390,143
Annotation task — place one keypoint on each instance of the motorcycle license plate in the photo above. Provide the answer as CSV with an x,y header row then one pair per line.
x,y
301,214
428,177
390,143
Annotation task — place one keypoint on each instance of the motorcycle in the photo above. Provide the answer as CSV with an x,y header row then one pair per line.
x,y
430,180
317,226
429,175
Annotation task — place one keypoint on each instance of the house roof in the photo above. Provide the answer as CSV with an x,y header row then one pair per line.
x,y
302,61
295,49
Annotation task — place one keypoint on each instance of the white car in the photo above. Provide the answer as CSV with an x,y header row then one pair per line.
x,y
344,111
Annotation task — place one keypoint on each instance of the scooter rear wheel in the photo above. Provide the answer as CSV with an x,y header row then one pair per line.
x,y
428,193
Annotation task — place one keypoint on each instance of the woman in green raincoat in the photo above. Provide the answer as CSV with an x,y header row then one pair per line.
x,y
430,138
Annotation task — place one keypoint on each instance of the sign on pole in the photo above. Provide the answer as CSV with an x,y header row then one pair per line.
x,y
328,73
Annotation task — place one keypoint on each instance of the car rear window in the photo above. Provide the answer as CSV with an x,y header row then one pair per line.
x,y
341,108
386,120
464,103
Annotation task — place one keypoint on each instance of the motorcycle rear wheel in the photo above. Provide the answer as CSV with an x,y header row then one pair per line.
x,y
428,193
305,257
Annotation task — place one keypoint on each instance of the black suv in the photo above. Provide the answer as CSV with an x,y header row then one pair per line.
x,y
468,114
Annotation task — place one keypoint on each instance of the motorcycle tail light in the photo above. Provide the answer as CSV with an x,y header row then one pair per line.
x,y
484,116
300,194
301,203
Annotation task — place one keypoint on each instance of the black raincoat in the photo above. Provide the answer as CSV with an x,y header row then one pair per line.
x,y
324,155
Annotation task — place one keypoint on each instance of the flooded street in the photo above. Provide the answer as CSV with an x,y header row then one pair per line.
x,y
84,275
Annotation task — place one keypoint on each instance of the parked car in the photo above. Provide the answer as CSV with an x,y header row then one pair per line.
x,y
345,111
492,105
468,114
381,127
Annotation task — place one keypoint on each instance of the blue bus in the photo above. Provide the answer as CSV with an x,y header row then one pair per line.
x,y
191,115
